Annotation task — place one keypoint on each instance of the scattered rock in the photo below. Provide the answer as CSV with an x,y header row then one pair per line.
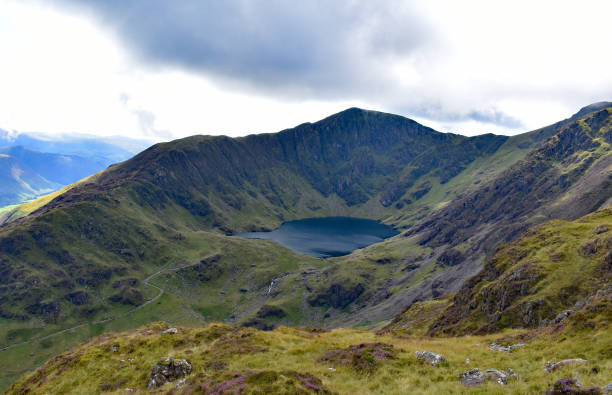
x,y
561,316
499,347
168,369
551,366
170,331
510,373
571,386
472,378
496,375
430,357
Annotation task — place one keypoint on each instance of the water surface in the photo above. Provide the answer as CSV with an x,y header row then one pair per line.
x,y
326,237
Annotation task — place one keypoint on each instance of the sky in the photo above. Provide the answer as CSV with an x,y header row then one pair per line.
x,y
161,69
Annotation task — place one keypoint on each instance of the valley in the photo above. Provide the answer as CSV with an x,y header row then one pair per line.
x,y
153,239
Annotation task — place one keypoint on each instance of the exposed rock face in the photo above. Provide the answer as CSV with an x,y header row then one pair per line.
x,y
430,357
168,369
472,378
551,366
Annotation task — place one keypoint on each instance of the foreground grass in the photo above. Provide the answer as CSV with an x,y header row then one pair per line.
x,y
114,362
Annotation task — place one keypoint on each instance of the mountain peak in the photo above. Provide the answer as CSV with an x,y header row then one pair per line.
x,y
592,108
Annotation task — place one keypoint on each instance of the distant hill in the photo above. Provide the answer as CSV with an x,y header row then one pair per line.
x,y
33,166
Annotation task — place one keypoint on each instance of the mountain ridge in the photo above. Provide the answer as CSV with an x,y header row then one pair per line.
x,y
173,205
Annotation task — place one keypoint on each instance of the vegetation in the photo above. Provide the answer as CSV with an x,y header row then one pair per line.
x,y
150,239
301,360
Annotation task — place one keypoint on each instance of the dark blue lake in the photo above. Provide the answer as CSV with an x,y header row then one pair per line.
x,y
326,237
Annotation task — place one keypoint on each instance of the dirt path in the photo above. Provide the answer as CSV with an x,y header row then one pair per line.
x,y
146,282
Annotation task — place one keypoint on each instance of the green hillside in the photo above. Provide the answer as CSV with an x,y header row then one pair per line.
x,y
126,247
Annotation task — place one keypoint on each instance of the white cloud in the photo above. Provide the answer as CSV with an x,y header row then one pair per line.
x,y
487,67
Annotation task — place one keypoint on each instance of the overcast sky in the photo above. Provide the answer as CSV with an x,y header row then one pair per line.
x,y
167,69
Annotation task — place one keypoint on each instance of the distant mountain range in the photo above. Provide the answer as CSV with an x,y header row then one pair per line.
x,y
32,166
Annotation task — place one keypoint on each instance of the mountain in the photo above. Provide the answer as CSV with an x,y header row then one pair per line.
x,y
150,238
27,174
32,166
553,271
113,149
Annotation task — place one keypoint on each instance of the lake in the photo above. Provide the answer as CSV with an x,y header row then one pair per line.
x,y
326,237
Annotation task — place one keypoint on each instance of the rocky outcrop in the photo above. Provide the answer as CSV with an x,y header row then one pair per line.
x,y
551,366
499,347
472,377
430,357
167,370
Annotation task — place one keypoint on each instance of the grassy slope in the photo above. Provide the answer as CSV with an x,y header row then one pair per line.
x,y
553,267
530,281
134,236
220,353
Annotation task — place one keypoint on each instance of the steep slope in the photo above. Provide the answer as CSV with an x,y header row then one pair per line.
x,y
557,273
567,176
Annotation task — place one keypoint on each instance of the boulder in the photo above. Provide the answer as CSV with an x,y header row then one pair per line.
x,y
472,378
561,316
170,331
167,370
607,389
510,373
551,366
430,357
496,375
499,347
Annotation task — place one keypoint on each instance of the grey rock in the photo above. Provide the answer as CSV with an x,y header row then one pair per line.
x,y
472,378
430,357
167,370
170,331
561,316
499,347
496,375
510,373
551,366
607,388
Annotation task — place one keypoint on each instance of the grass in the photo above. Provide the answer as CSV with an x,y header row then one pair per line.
x,y
217,350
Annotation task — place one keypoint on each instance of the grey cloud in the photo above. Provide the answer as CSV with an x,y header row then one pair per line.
x,y
490,115
304,48
294,50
